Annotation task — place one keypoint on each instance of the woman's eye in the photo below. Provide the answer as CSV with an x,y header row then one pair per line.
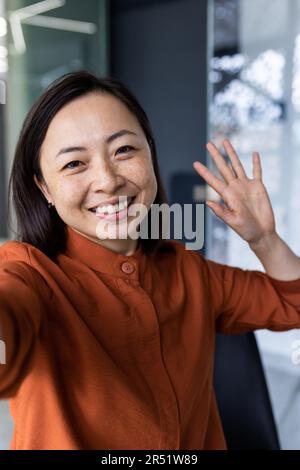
x,y
72,165
125,149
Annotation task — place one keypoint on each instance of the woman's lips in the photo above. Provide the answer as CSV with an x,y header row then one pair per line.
x,y
115,216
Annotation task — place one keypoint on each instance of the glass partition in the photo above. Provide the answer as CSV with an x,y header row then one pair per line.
x,y
254,76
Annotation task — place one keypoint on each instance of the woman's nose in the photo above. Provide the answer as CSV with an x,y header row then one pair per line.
x,y
106,178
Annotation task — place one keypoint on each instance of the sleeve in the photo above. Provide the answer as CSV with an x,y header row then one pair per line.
x,y
244,300
20,321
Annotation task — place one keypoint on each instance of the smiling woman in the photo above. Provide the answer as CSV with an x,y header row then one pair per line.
x,y
104,173
109,343
71,158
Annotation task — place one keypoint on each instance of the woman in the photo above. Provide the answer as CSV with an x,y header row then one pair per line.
x,y
110,342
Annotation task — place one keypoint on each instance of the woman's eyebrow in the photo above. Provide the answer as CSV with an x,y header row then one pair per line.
x,y
114,136
108,140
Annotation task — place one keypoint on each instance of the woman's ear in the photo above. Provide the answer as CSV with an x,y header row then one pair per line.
x,y
42,187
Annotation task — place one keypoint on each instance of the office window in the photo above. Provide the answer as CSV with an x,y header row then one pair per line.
x,y
254,79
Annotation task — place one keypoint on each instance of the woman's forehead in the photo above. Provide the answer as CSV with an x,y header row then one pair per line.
x,y
103,107
92,117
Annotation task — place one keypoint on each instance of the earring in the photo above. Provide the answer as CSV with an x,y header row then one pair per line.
x,y
50,205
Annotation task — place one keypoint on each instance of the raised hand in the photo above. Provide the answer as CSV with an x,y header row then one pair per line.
x,y
247,208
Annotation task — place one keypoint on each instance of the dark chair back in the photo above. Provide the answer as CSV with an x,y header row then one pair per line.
x,y
242,394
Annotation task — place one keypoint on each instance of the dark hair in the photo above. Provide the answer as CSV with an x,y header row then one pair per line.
x,y
36,224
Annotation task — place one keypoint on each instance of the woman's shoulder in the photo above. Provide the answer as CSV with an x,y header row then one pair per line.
x,y
176,250
180,248
16,258
16,251
22,261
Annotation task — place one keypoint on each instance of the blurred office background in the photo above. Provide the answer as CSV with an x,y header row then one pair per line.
x,y
201,69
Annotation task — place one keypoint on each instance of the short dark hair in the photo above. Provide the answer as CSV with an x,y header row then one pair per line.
x,y
36,224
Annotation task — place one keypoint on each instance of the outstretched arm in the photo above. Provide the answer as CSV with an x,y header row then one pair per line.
x,y
21,311
247,210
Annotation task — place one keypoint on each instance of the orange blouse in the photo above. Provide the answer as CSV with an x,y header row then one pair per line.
x,y
105,351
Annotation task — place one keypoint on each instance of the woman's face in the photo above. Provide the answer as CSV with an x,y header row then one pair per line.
x,y
86,160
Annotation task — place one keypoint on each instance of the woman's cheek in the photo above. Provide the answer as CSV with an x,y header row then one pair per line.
x,y
151,182
69,194
142,175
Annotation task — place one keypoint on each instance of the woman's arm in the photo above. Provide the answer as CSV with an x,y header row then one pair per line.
x,y
20,321
279,261
244,300
248,211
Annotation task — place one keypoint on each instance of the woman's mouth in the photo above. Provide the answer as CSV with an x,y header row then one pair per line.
x,y
114,212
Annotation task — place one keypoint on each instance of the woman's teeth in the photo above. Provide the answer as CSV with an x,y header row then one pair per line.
x,y
111,209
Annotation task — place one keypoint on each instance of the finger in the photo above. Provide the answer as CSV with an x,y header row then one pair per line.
x,y
257,169
235,161
210,178
220,210
221,164
231,169
217,208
